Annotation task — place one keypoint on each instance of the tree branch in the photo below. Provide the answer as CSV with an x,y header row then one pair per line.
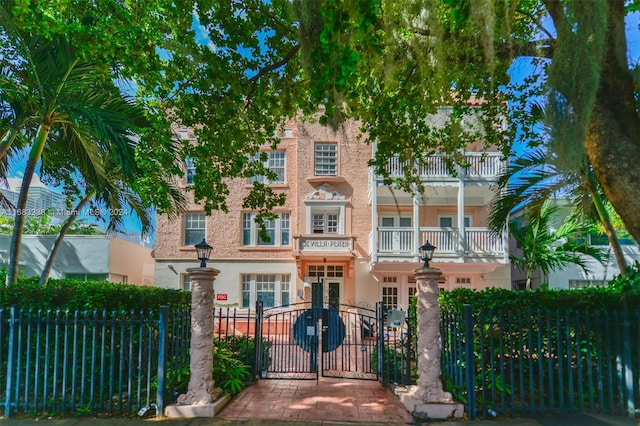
x,y
269,68
275,65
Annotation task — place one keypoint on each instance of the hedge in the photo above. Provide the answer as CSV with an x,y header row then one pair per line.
x,y
620,292
76,294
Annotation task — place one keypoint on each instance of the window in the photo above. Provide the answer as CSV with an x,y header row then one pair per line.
x,y
390,292
87,277
326,219
329,271
463,280
278,230
396,222
325,223
194,228
270,289
185,283
276,162
183,134
452,221
325,156
412,292
190,170
579,284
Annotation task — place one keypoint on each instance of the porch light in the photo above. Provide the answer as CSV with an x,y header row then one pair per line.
x,y
204,251
426,253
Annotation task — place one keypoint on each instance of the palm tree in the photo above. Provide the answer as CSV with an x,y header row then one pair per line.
x,y
534,178
72,101
546,249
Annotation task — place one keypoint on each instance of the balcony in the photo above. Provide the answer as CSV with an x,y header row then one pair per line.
x,y
478,242
480,166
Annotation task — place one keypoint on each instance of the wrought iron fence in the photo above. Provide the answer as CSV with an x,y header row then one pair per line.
x,y
509,362
90,362
536,361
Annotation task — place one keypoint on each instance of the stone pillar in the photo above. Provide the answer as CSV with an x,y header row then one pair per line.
x,y
429,400
201,399
429,370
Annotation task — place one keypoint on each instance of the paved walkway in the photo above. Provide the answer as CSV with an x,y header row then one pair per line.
x,y
326,399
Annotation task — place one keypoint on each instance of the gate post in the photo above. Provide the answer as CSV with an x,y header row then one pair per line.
x,y
201,399
258,361
429,399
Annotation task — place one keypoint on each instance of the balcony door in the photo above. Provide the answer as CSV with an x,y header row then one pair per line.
x,y
396,234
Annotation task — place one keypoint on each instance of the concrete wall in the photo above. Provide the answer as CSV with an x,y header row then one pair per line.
x,y
83,254
597,273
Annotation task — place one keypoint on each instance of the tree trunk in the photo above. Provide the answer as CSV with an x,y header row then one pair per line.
x,y
605,219
613,136
16,238
46,270
7,140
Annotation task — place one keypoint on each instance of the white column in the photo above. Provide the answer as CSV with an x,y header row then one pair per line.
x,y
462,248
416,227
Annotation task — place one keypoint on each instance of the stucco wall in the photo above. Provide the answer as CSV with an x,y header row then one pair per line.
x,y
131,260
229,282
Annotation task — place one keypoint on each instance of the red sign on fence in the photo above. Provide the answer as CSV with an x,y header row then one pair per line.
x,y
221,296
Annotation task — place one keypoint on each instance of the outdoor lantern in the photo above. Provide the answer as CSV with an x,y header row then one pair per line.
x,y
426,253
204,250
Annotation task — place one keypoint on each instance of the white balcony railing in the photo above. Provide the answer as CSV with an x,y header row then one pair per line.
x,y
480,165
478,241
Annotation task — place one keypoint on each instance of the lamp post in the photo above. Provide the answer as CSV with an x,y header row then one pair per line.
x,y
429,398
201,399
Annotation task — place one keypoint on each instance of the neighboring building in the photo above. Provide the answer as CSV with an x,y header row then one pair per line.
x,y
39,199
342,223
85,257
572,276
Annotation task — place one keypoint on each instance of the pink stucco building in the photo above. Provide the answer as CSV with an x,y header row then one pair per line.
x,y
340,222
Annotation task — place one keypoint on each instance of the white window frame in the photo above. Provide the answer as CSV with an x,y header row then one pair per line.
x,y
454,221
326,208
188,223
185,282
251,283
390,289
276,162
190,170
397,221
281,229
325,159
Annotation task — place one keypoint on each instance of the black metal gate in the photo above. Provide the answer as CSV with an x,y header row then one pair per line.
x,y
305,340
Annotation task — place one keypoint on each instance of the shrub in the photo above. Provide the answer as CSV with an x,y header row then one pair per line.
x,y
99,295
619,292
